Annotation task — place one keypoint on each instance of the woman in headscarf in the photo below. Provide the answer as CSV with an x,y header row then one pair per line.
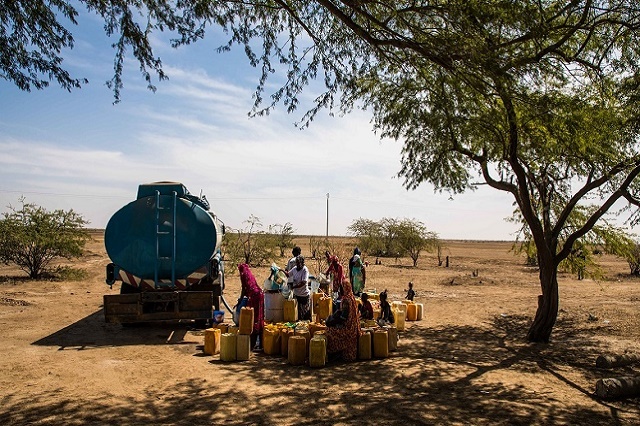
x,y
336,271
252,290
343,335
357,272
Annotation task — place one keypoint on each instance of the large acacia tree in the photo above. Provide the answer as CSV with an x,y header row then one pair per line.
x,y
536,98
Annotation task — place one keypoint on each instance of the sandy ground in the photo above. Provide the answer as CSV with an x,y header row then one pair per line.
x,y
465,363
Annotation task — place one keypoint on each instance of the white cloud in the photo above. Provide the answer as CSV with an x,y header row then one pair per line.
x,y
78,151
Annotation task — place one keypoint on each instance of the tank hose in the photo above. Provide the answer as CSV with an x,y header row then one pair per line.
x,y
224,301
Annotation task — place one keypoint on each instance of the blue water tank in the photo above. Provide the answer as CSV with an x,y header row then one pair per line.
x,y
165,228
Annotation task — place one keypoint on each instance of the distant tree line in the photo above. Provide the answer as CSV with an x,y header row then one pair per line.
x,y
387,238
394,238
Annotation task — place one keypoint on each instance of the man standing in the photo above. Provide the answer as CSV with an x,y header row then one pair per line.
x,y
300,277
292,264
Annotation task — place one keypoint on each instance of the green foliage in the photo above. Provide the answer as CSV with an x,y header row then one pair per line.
x,y
603,237
536,99
32,39
394,237
582,262
67,273
370,236
527,247
33,238
633,258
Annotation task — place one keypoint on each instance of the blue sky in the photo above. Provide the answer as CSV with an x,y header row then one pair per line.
x,y
78,150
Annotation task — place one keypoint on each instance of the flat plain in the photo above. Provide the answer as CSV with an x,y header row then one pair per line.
x,y
466,362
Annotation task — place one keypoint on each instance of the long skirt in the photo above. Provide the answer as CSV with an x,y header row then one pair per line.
x,y
358,280
304,311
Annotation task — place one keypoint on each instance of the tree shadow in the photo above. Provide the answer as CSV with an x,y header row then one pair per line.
x,y
438,375
92,332
14,279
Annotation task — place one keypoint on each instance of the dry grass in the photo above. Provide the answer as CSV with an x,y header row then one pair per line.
x,y
465,363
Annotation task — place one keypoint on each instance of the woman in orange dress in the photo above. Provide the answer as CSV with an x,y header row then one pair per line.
x,y
342,336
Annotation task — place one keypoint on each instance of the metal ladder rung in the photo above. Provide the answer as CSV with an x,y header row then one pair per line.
x,y
164,233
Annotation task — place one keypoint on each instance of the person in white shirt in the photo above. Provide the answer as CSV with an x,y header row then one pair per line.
x,y
292,263
300,276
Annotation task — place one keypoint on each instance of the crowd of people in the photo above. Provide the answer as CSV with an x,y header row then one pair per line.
x,y
343,325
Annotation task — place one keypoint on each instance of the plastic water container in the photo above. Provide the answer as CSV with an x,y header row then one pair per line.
x,y
380,344
369,330
364,346
285,334
399,306
236,313
412,312
420,309
376,313
246,321
317,351
392,332
243,347
304,333
315,299
228,347
212,341
271,341
325,307
297,351
400,317
315,327
290,310
273,307
280,277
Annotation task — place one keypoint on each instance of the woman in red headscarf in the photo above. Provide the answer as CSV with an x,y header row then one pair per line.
x,y
252,290
343,327
336,271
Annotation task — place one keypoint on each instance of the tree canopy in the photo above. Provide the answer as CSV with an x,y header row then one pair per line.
x,y
32,237
391,237
537,98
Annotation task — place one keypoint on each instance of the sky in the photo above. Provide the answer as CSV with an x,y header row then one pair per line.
x,y
78,150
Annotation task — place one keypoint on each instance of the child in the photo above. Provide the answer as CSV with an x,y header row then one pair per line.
x,y
410,293
366,310
386,314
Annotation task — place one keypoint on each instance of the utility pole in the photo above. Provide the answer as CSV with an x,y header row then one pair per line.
x,y
327,215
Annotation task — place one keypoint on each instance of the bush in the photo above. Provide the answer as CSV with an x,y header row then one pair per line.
x,y
32,238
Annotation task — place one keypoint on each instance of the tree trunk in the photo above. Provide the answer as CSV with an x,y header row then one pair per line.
x,y
618,387
547,312
612,361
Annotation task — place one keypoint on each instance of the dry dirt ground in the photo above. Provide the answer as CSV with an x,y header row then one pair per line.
x,y
465,363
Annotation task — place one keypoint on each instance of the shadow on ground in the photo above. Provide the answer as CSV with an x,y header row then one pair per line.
x,y
438,376
93,331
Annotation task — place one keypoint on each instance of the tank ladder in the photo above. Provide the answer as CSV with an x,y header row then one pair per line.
x,y
162,233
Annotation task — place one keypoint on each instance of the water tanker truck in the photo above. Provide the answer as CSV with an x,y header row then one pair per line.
x,y
165,252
